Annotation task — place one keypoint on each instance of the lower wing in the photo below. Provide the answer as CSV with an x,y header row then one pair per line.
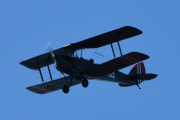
x,y
116,64
51,86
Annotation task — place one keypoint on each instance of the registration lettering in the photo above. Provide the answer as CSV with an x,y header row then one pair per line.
x,y
111,75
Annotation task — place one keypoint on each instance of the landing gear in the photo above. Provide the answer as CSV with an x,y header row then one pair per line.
x,y
65,89
91,60
85,83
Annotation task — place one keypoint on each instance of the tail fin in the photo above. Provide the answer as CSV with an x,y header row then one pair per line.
x,y
138,73
138,69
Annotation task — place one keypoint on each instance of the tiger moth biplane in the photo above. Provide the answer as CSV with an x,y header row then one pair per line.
x,y
80,70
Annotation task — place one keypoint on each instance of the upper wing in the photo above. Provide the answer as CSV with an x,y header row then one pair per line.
x,y
116,64
94,42
50,86
45,59
108,38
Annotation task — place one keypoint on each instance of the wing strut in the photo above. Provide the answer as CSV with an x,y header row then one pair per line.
x,y
49,72
119,48
81,52
113,50
39,70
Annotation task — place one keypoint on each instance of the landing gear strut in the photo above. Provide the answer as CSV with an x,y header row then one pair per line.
x,y
85,83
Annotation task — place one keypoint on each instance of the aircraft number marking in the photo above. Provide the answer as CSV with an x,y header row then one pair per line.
x,y
111,75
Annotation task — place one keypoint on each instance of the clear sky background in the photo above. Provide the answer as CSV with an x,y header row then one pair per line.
x,y
27,26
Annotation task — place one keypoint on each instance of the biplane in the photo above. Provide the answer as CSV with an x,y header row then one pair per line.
x,y
77,70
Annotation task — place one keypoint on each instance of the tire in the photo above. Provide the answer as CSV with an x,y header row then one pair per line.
x,y
85,83
91,60
65,89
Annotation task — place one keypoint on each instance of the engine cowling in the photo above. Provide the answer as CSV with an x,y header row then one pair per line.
x,y
64,62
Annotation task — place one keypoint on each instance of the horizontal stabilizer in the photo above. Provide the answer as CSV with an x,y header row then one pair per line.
x,y
116,64
125,85
142,76
50,86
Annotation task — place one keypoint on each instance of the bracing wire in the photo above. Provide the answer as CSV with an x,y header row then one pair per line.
x,y
48,77
46,74
94,53
101,53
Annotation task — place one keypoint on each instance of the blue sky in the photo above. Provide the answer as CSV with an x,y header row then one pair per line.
x,y
27,26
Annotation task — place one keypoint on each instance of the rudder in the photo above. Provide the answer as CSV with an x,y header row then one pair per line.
x,y
137,70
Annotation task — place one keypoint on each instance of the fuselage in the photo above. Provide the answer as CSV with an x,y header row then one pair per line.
x,y
74,66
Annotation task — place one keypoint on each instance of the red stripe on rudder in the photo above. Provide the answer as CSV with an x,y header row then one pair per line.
x,y
134,70
143,70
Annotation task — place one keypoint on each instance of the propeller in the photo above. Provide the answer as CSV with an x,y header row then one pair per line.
x,y
49,48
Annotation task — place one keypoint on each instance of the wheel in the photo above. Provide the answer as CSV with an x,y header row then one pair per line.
x,y
81,58
65,89
91,60
85,83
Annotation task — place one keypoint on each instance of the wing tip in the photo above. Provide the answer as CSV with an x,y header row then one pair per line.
x,y
34,90
138,31
140,54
